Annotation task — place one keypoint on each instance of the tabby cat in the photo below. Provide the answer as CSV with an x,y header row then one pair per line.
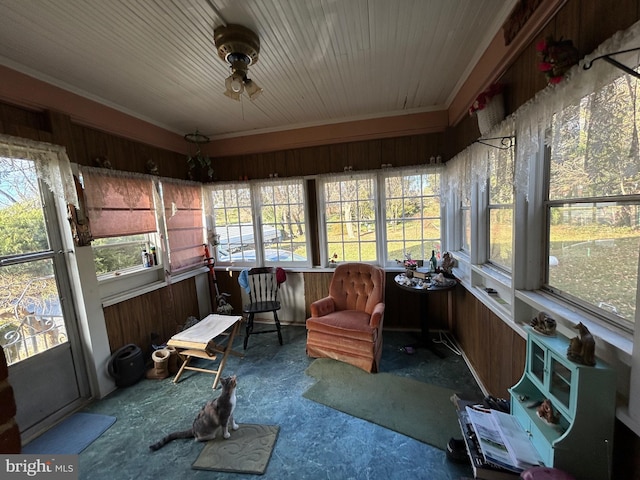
x,y
217,413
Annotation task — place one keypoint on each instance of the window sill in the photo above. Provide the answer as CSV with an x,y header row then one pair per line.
x,y
118,288
493,275
499,305
128,273
178,277
567,317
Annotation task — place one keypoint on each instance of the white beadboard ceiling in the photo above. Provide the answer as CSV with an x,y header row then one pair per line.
x,y
321,61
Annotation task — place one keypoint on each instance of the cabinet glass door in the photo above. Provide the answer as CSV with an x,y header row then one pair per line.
x,y
560,382
537,362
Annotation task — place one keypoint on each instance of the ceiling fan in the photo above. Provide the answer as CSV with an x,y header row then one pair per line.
x,y
239,47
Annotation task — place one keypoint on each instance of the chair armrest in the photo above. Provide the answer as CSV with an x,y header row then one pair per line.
x,y
376,315
322,307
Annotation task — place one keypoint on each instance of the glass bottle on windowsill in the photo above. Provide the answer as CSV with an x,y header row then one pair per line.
x,y
433,262
146,259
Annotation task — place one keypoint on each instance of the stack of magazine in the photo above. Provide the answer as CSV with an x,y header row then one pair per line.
x,y
502,441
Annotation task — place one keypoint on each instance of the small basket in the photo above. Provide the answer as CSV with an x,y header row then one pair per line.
x,y
491,115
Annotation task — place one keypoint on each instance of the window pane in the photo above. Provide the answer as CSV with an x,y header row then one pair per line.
x,y
586,139
500,209
22,226
233,219
412,209
121,253
500,237
593,240
501,177
350,215
282,208
31,318
594,252
466,229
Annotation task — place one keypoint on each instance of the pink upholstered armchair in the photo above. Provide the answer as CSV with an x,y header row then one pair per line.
x,y
347,325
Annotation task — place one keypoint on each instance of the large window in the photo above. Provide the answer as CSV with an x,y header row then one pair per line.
x,y
282,211
276,234
412,209
122,212
593,207
31,319
232,214
349,218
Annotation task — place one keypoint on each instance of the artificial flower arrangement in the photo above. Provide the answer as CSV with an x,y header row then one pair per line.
x,y
409,263
485,97
556,58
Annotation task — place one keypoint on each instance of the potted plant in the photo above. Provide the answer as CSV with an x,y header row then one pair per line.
x,y
557,57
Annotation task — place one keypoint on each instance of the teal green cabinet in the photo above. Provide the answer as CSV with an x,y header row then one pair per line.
x,y
583,397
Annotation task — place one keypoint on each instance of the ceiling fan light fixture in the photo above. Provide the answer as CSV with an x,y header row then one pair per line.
x,y
239,47
235,82
234,86
232,95
252,89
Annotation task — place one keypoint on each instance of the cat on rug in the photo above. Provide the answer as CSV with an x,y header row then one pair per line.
x,y
216,414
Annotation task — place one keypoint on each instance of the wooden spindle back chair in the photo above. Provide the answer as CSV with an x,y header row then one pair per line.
x,y
263,298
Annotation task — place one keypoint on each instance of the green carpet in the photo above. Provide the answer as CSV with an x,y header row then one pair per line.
x,y
248,450
416,409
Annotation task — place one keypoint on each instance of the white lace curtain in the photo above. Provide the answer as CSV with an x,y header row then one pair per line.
x,y
51,161
544,116
366,174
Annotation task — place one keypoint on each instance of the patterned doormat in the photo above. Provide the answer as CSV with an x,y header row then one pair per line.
x,y
248,450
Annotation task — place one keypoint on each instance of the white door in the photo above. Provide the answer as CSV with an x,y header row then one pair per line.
x,y
38,327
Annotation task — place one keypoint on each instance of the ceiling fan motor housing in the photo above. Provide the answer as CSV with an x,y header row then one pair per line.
x,y
236,42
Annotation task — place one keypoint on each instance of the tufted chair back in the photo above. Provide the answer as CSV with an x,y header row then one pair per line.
x,y
346,325
357,286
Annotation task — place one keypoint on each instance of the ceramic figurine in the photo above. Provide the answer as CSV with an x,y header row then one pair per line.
x,y
103,162
545,412
448,262
544,324
151,167
582,349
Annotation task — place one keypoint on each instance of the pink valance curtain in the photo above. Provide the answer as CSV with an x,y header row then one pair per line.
x,y
185,231
118,204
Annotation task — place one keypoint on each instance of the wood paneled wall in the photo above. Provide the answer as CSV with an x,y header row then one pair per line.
x,y
162,312
85,144
365,155
402,308
495,350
